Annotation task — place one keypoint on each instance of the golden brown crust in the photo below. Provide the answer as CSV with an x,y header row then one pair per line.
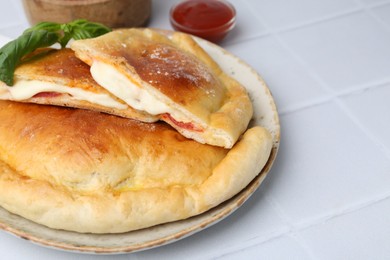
x,y
89,172
147,56
62,67
174,73
178,72
60,64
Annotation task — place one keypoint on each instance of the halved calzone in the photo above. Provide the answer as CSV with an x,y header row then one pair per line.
x,y
170,77
84,171
58,77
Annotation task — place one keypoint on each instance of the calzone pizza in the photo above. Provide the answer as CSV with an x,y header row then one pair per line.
x,y
84,171
58,77
170,77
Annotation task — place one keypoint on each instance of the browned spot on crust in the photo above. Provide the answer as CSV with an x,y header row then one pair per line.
x,y
175,73
61,64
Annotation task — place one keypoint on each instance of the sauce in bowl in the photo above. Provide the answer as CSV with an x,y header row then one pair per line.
x,y
208,19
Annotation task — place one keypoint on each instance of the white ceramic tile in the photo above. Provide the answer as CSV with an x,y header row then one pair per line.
x,y
374,2
160,14
255,221
289,82
247,26
372,109
326,164
278,14
383,13
364,234
280,248
345,52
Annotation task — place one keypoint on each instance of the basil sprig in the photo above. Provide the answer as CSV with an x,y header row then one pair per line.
x,y
42,35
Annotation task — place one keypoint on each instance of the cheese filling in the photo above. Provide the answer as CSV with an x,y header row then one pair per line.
x,y
118,84
25,89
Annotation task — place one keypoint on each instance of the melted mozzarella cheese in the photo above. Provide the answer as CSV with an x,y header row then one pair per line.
x,y
122,87
25,89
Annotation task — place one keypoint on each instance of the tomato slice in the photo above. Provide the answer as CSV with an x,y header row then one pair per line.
x,y
188,126
47,94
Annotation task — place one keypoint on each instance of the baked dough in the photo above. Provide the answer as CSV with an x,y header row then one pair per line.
x,y
170,76
58,77
85,171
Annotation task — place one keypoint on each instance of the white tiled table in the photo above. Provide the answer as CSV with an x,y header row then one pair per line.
x,y
327,63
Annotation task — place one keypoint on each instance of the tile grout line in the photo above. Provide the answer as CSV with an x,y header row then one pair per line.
x,y
274,34
293,230
336,98
361,7
291,227
343,106
364,129
331,94
240,248
363,87
306,105
274,204
342,212
312,22
300,25
319,20
373,5
286,229
332,97
241,41
369,11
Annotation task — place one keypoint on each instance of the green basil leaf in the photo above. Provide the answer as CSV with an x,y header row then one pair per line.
x,y
12,53
44,34
47,26
82,29
67,34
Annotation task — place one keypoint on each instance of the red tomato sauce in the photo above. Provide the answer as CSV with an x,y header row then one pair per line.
x,y
209,19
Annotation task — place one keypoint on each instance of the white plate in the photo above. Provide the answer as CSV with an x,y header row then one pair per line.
x,y
265,114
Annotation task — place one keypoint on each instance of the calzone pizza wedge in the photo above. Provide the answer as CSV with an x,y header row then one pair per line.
x,y
170,77
84,171
58,77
